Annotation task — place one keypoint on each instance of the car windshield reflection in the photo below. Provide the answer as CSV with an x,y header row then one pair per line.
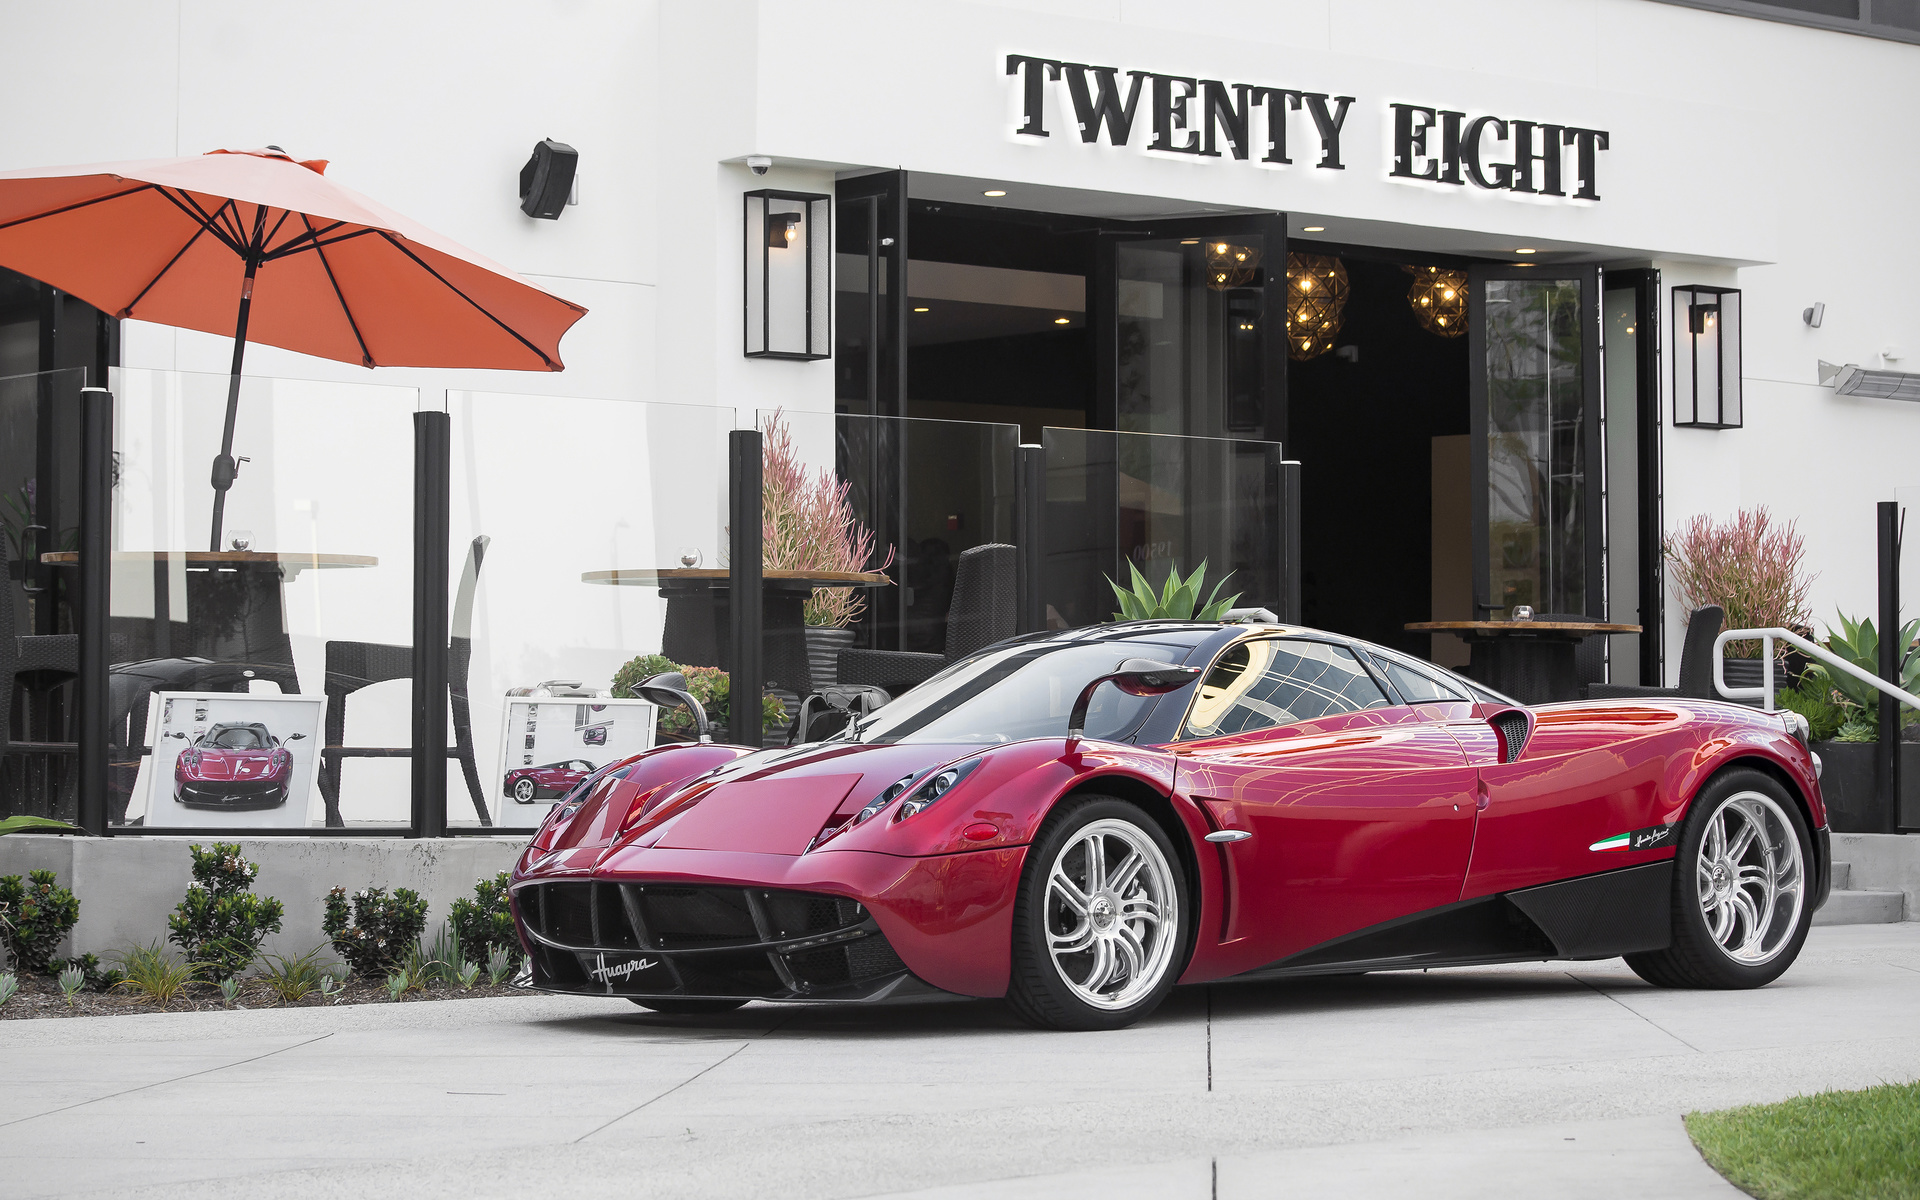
x,y
1009,693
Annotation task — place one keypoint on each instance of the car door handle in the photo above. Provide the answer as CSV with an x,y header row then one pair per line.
x,y
1229,835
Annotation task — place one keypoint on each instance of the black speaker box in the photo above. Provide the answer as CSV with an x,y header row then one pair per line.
x,y
547,179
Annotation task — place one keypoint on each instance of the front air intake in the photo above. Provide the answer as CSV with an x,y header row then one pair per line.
x,y
1512,728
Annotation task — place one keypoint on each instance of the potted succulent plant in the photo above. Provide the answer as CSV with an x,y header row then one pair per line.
x,y
1177,600
809,525
1844,714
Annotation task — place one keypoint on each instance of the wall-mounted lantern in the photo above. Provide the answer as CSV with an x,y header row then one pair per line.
x,y
788,301
1706,357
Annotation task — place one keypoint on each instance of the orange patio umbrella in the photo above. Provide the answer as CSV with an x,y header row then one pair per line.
x,y
257,243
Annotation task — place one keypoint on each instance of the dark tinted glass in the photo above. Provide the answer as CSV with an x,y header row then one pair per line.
x,y
1418,688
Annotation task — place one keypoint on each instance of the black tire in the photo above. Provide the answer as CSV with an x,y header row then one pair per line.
x,y
1037,991
1696,959
676,1006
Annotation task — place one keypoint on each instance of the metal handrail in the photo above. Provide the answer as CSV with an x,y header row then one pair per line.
x,y
1764,693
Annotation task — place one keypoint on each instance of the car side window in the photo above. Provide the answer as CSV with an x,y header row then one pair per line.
x,y
1417,687
1265,682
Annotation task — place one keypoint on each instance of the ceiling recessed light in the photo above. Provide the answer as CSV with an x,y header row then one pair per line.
x,y
1314,229
1526,264
1526,250
995,192
919,310
1063,320
1189,241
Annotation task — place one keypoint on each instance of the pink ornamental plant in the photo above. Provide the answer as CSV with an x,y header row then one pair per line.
x,y
1749,566
808,524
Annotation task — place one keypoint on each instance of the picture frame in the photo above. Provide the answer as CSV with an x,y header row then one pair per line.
x,y
550,744
231,760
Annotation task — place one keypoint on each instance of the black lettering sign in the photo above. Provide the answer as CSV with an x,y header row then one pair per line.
x,y
1107,109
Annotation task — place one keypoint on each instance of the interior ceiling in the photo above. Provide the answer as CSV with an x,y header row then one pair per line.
x,y
1026,197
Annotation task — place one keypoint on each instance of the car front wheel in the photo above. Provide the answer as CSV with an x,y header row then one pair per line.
x,y
1741,890
1100,924
523,790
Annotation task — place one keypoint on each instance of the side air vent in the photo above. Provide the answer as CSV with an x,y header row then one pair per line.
x,y
1512,728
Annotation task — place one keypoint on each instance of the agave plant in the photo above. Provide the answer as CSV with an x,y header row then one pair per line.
x,y
1859,643
1176,601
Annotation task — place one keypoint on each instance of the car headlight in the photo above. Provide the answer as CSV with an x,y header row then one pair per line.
x,y
885,798
1798,726
937,785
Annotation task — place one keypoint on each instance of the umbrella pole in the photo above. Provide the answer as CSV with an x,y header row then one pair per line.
x,y
224,467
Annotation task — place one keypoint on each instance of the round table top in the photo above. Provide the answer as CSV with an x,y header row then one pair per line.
x,y
655,576
297,559
1577,629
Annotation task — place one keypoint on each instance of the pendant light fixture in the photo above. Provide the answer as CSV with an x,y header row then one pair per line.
x,y
1439,299
1230,266
1316,294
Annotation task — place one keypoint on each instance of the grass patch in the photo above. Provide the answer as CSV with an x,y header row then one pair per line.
x,y
1830,1146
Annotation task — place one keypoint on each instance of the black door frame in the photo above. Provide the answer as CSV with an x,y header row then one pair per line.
x,y
1103,307
1648,422
1478,277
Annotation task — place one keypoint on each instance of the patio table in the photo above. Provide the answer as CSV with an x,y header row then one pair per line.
x,y
695,632
1532,661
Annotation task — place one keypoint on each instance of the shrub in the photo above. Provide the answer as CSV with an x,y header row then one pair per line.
x,y
293,979
1748,566
499,965
9,984
372,931
485,921
153,972
220,923
39,915
709,685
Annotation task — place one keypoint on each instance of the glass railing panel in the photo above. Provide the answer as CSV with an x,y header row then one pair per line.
x,y
40,511
926,506
1160,502
259,675
591,523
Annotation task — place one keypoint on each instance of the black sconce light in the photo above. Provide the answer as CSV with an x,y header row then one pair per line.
x,y
1706,359
788,274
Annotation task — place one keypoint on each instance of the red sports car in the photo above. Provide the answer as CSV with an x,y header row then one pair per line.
x,y
527,784
1078,821
236,766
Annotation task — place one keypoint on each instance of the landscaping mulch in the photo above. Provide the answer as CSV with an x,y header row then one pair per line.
x,y
39,996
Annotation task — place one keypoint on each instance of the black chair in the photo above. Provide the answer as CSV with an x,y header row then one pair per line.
x,y
985,596
35,662
354,665
1589,653
1696,663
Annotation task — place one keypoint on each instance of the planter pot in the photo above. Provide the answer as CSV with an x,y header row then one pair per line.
x,y
1847,785
824,644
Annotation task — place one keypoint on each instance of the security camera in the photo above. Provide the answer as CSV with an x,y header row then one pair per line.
x,y
759,164
1813,316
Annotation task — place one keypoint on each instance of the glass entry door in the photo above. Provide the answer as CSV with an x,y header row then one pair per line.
x,y
1538,522
1189,327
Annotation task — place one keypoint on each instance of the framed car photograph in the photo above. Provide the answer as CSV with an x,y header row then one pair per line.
x,y
231,761
549,745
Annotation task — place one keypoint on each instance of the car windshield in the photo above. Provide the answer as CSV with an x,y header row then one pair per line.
x,y
1015,692
239,739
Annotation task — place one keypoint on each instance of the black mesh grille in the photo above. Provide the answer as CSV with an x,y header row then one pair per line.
x,y
689,918
870,958
1512,728
567,914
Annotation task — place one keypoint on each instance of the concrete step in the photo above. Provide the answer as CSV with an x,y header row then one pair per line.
x,y
1862,908
1842,876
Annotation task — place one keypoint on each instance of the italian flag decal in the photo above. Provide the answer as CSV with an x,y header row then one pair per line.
x,y
1637,839
1619,841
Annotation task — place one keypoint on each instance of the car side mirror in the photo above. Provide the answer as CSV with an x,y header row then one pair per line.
x,y
1135,677
669,689
295,737
181,736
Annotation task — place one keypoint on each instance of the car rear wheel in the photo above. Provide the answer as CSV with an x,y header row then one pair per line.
x,y
685,1007
523,790
1100,923
1741,888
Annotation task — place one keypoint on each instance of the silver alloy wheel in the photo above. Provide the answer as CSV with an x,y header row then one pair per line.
x,y
1111,914
523,790
1750,876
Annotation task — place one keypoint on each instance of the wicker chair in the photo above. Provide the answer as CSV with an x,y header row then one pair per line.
x,y
1589,653
1696,663
354,665
985,590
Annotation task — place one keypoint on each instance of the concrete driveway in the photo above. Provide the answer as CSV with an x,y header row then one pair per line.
x,y
1489,1082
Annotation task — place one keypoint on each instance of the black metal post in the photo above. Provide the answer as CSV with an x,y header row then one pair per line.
x,y
1030,524
1887,753
1290,543
432,476
746,679
96,515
